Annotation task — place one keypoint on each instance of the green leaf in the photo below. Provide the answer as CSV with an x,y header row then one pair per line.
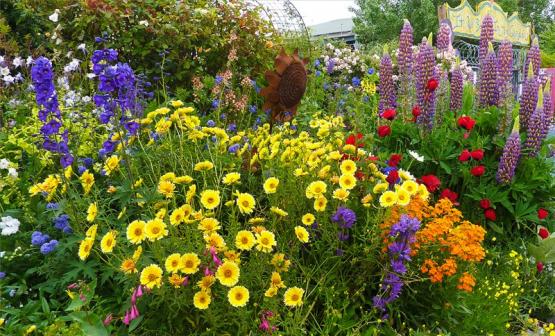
x,y
135,323
90,323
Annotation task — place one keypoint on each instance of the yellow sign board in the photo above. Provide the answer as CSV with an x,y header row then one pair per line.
x,y
467,22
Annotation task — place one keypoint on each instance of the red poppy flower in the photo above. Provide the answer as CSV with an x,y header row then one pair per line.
x,y
394,160
542,213
485,203
478,170
543,233
389,114
392,177
465,156
466,122
354,140
477,154
432,84
450,195
431,182
539,266
360,175
490,214
384,131
416,111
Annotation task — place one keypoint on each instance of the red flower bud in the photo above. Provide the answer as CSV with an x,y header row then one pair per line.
x,y
466,122
450,195
543,233
539,266
477,154
465,156
394,160
416,111
432,84
485,203
542,213
353,140
478,170
490,214
384,131
389,114
392,177
431,182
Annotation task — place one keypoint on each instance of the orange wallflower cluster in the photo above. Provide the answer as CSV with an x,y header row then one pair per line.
x,y
445,240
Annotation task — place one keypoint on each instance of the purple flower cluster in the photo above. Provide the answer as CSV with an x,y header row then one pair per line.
x,y
403,235
455,103
386,86
425,70
538,128
489,91
529,97
62,223
444,37
533,57
43,240
509,158
505,70
345,218
486,37
404,59
53,139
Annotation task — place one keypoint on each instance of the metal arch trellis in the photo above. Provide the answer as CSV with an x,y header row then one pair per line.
x,y
469,52
284,16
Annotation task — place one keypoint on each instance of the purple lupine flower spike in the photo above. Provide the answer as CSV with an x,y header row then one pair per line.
x,y
486,37
537,128
404,62
456,88
444,37
534,57
511,155
489,91
425,70
505,73
386,86
529,97
547,102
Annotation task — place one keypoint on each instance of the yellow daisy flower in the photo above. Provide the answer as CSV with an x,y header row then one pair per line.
x,y
177,216
341,194
183,179
206,282
320,204
176,280
410,186
87,181
111,164
423,192
280,263
151,276
189,263
276,281
204,165
228,273
214,240
85,248
108,242
231,178
348,167
380,188
293,297
136,231
166,188
91,231
315,189
347,182
388,199
271,292
155,229
244,240
302,234
308,219
238,296
270,185
279,211
246,203
403,197
209,225
92,211
265,241
173,263
210,199
202,300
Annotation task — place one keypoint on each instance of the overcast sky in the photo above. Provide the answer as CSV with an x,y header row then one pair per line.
x,y
318,11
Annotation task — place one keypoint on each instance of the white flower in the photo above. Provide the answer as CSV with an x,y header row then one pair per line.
x,y
9,225
86,99
29,60
91,75
9,79
82,47
4,164
4,71
416,156
1,59
144,23
72,66
17,62
12,173
54,16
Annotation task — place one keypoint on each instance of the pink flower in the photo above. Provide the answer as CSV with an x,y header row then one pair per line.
x,y
108,319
